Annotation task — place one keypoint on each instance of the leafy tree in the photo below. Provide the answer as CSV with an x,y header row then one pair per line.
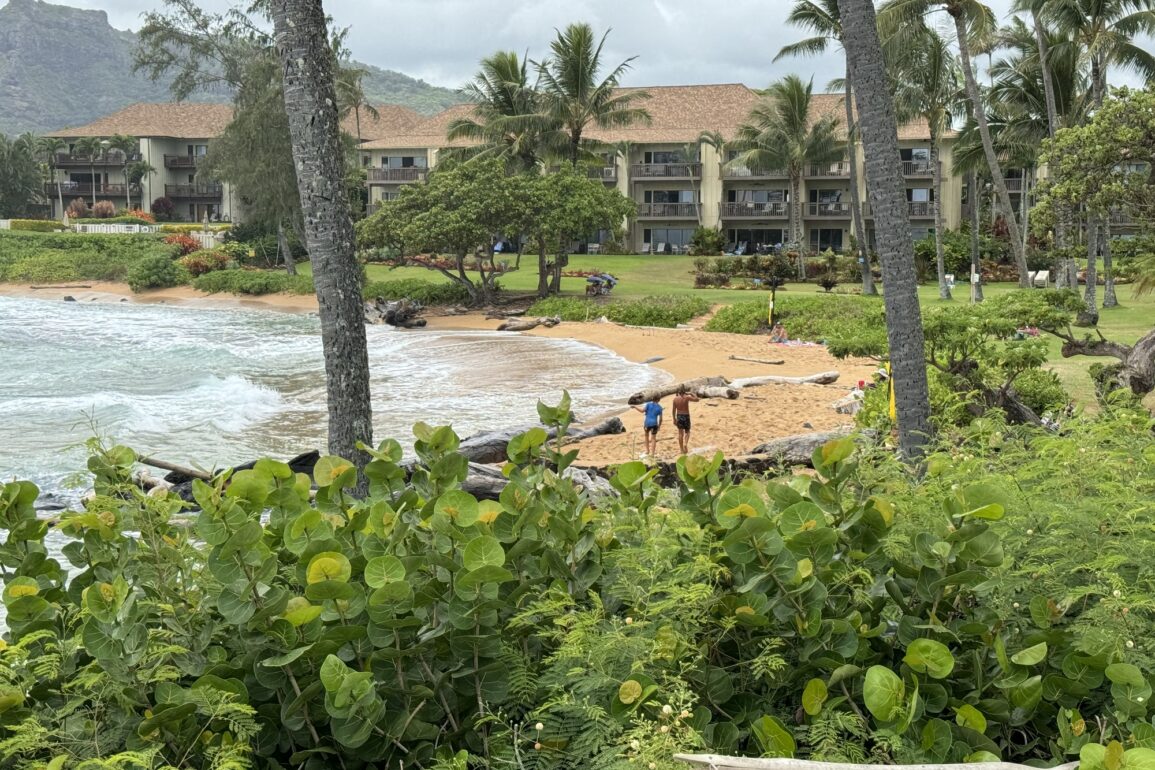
x,y
779,135
573,98
20,180
127,146
888,202
307,68
822,18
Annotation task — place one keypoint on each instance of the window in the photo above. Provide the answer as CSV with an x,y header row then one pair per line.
x,y
388,196
403,161
757,196
669,196
919,194
826,196
917,154
755,237
669,237
198,150
822,238
366,160
667,156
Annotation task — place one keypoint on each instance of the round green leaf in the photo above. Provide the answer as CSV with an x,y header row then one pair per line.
x,y
459,506
1125,674
1030,656
883,693
484,551
382,570
330,469
329,565
814,696
926,656
738,503
967,715
629,691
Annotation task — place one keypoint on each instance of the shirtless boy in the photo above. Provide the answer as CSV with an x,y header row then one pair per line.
x,y
682,416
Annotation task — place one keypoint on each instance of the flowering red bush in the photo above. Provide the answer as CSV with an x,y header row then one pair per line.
x,y
104,210
139,214
204,261
186,243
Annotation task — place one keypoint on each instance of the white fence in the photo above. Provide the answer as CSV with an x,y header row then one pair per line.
x,y
116,229
5,224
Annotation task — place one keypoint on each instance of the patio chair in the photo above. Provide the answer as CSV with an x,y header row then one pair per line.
x,y
645,248
661,249
593,248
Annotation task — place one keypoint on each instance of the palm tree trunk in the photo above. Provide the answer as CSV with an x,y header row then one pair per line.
x,y
1048,79
976,277
286,252
796,220
311,106
884,181
1000,183
939,225
1089,295
855,198
1109,298
92,173
542,270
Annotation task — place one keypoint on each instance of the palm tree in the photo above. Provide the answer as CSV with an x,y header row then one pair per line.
x,y
972,20
92,146
1106,30
573,97
927,86
47,147
128,146
134,174
351,98
885,183
1036,9
307,62
506,121
823,19
21,182
779,135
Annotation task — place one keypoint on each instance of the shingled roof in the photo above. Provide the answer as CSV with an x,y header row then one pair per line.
x,y
181,120
391,119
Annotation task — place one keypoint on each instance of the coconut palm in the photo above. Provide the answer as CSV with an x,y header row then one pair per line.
x,y
884,180
780,135
972,21
506,121
93,147
574,96
351,98
134,174
822,18
47,148
128,147
928,86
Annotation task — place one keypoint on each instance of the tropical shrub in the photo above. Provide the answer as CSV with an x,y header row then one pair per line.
x,y
122,219
849,615
253,282
707,241
811,318
204,261
140,214
158,272
78,209
68,256
184,243
34,225
163,209
425,292
104,210
200,227
667,311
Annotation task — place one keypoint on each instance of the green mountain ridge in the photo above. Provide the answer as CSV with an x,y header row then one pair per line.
x,y
63,66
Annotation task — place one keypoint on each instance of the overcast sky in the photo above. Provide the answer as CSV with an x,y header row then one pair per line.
x,y
675,41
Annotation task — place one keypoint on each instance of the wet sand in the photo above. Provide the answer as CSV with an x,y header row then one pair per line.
x,y
734,427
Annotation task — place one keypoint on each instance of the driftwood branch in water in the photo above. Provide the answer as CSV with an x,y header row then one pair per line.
x,y
718,762
525,324
491,447
772,362
696,386
182,470
822,378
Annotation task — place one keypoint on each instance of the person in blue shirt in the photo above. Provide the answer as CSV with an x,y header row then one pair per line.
x,y
653,421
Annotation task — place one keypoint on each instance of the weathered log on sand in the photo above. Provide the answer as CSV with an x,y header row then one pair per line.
x,y
485,482
822,378
490,447
401,313
694,386
772,362
501,315
525,324
64,286
719,762
797,450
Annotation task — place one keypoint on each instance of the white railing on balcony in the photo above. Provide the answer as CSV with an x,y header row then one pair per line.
x,y
668,210
920,209
834,169
829,209
917,168
741,172
406,174
666,170
753,209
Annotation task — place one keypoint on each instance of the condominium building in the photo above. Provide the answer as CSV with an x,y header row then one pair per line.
x,y
680,182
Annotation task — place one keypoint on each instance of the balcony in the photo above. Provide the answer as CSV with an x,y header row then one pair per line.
x,y
183,161
667,211
604,173
86,190
1014,184
741,172
105,159
666,171
829,210
405,174
917,168
197,191
835,170
920,209
752,210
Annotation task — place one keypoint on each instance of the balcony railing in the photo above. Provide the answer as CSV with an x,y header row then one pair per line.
x,y
833,170
841,210
667,210
110,158
917,168
741,172
183,161
1014,184
193,190
86,190
666,170
406,174
920,209
604,173
755,210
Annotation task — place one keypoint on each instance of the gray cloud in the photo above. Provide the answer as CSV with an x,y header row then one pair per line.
x,y
675,41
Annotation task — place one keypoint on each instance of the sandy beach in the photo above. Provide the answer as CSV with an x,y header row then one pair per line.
x,y
732,426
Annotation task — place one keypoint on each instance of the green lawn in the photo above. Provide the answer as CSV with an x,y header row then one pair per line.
x,y
642,276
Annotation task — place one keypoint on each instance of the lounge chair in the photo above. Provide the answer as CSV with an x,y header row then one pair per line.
x,y
1041,278
645,248
660,249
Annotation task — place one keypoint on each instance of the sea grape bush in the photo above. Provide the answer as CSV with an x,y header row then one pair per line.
x,y
550,628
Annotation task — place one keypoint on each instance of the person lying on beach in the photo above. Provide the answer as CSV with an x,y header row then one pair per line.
x,y
682,416
652,423
778,334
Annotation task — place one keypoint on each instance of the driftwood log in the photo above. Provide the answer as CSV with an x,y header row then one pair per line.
x,y
703,387
64,286
490,447
797,450
485,482
402,313
822,378
772,362
718,762
525,324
